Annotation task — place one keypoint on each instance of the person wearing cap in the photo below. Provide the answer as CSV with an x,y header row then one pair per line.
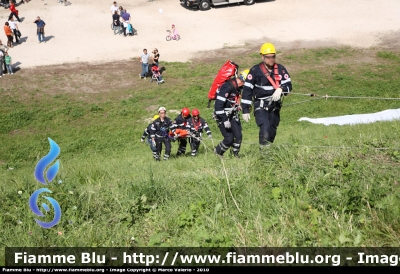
x,y
265,85
159,134
146,133
226,114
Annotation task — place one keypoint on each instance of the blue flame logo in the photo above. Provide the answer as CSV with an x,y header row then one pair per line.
x,y
50,174
45,161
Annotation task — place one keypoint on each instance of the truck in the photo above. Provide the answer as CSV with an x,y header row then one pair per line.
x,y
206,4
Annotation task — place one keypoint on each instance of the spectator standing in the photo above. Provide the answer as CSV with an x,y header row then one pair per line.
x,y
114,8
116,21
14,12
156,55
8,60
126,19
121,10
14,28
144,59
3,50
1,62
40,29
9,33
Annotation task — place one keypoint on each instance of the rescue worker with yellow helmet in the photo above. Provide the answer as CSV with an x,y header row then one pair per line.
x,y
266,83
147,133
159,134
226,114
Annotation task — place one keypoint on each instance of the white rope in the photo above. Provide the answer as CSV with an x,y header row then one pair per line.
x,y
346,97
285,105
227,180
377,148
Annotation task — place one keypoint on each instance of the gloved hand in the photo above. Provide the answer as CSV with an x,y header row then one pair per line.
x,y
154,143
141,140
227,124
277,94
209,136
246,117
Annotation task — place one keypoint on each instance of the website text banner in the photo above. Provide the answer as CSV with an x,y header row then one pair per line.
x,y
193,256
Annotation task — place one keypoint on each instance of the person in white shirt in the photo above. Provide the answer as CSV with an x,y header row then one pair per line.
x,y
114,8
14,27
144,59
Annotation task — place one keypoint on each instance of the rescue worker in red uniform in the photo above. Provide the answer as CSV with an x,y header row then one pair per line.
x,y
266,83
195,126
226,113
180,122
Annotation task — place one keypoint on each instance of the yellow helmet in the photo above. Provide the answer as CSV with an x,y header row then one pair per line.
x,y
243,74
267,48
156,116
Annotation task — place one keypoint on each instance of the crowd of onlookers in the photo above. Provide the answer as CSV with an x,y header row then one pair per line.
x,y
121,19
12,32
150,65
6,3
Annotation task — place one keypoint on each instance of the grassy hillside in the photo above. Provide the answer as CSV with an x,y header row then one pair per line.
x,y
318,186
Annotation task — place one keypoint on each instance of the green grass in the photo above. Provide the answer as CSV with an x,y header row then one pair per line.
x,y
310,190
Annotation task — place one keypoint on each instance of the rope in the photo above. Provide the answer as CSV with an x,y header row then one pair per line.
x,y
346,97
227,181
343,147
301,102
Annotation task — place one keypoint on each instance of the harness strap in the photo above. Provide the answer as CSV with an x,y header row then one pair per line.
x,y
275,83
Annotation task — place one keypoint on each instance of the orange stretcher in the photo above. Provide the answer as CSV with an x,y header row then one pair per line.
x,y
182,133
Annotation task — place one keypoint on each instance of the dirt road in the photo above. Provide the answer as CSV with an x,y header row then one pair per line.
x,y
81,32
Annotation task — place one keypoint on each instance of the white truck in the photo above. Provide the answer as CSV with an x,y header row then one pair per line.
x,y
206,4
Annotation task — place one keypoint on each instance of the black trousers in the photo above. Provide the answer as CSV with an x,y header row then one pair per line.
x,y
15,15
194,144
15,35
268,123
159,143
1,65
123,28
182,146
232,137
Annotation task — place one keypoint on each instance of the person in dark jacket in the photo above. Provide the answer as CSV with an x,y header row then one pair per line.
x,y
195,126
180,122
159,134
40,29
265,85
146,133
226,113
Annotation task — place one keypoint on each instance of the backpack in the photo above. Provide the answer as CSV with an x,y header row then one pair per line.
x,y
226,72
